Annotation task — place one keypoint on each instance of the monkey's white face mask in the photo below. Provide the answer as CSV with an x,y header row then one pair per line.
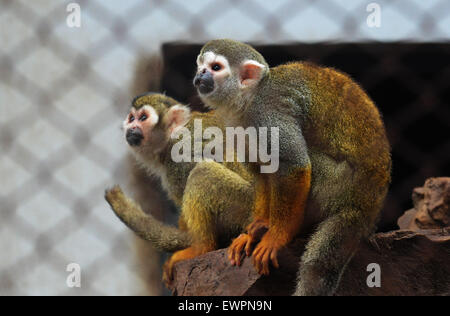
x,y
138,124
218,83
146,131
212,71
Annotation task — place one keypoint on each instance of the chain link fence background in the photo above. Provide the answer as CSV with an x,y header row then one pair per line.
x,y
64,92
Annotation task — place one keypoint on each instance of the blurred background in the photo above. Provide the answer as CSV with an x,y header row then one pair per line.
x,y
64,91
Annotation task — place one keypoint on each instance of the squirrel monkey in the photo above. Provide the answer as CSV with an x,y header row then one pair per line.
x,y
334,157
215,198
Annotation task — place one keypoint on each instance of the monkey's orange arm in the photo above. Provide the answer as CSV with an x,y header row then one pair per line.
x,y
288,197
262,198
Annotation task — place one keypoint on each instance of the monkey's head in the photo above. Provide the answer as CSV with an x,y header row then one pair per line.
x,y
228,72
152,119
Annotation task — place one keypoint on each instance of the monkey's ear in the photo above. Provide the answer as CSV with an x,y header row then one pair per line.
x,y
251,72
177,116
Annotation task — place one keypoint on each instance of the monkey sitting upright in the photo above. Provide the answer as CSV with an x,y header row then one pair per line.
x,y
334,157
215,198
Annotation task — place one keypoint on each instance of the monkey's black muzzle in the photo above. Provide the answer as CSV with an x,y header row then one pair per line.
x,y
134,136
204,82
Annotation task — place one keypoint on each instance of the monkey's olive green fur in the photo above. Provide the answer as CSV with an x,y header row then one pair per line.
x,y
215,199
327,124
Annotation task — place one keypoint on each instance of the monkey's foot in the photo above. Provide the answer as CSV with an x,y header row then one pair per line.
x,y
178,256
235,253
246,242
265,253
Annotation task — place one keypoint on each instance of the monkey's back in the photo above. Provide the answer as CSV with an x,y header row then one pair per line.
x,y
343,130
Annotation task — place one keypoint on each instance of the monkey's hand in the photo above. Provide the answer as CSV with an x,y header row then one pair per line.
x,y
235,253
255,231
265,252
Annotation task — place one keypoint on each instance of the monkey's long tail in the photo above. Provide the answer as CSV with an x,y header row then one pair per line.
x,y
163,237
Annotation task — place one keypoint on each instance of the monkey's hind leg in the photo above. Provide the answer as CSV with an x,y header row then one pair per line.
x,y
329,251
216,206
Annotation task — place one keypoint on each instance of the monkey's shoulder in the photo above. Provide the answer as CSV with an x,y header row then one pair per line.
x,y
283,92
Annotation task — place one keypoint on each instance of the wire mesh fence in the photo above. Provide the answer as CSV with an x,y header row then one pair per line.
x,y
64,91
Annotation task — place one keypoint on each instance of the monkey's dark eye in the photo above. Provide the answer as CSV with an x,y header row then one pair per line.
x,y
143,117
131,119
216,67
